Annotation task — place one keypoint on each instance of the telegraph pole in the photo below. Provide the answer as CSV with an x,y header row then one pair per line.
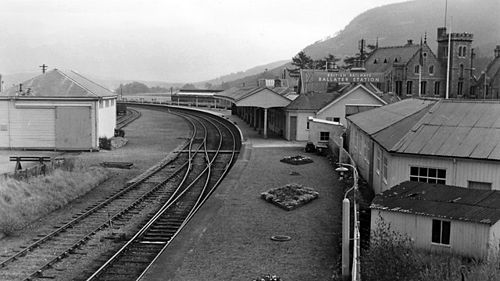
x,y
43,67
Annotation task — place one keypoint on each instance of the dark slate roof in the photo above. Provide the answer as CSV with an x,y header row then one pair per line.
x,y
312,101
387,56
441,201
60,84
493,68
236,94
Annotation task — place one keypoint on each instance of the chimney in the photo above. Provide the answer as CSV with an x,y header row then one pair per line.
x,y
410,42
497,51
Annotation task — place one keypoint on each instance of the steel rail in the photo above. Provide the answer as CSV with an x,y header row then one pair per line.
x,y
199,200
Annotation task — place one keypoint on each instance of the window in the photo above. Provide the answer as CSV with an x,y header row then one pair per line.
x,y
336,119
106,103
100,104
417,69
399,88
307,125
378,160
409,86
367,150
479,185
445,52
423,87
112,102
436,88
324,136
385,60
429,175
375,61
460,88
431,69
461,71
462,50
355,138
441,232
384,168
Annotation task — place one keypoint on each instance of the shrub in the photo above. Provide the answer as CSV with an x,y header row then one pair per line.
x,y
390,257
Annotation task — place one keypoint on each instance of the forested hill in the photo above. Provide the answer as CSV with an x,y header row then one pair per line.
x,y
395,23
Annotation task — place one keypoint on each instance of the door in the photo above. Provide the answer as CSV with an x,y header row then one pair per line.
x,y
293,127
73,128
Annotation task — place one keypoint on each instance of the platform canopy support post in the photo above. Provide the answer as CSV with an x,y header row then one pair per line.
x,y
265,123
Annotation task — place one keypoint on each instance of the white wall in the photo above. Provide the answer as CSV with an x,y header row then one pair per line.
x,y
106,118
302,119
337,109
466,238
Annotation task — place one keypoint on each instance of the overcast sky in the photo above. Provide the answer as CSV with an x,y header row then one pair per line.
x,y
174,41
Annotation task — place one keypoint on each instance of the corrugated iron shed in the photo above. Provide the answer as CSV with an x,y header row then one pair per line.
x,y
441,201
58,83
468,129
375,120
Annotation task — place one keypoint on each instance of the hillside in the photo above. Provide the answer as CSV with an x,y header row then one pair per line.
x,y
394,24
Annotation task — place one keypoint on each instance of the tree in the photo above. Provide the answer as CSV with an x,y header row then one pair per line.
x,y
361,56
132,88
188,86
329,61
302,61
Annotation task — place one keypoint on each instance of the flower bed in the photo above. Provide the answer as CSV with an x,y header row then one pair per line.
x,y
296,160
290,196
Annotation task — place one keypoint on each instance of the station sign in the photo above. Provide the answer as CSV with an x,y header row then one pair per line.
x,y
343,77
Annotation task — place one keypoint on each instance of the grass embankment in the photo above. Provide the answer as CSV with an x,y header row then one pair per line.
x,y
22,202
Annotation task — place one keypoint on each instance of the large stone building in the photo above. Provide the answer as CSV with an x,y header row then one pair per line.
x,y
488,84
415,70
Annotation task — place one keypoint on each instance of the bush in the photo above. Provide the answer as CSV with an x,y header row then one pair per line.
x,y
105,143
390,257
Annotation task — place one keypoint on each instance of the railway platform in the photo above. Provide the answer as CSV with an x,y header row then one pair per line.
x,y
229,238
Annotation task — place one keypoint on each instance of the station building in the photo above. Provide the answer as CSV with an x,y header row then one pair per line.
x,y
414,66
58,110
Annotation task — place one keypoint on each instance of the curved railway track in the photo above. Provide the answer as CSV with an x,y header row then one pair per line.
x,y
152,210
128,118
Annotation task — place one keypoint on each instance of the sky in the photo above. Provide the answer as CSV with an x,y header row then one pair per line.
x,y
172,41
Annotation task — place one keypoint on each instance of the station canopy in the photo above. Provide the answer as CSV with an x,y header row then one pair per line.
x,y
262,97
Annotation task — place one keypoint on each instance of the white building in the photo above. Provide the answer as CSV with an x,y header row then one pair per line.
x,y
448,142
58,110
327,106
442,218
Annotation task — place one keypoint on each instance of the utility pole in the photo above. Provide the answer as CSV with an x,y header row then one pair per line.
x,y
43,67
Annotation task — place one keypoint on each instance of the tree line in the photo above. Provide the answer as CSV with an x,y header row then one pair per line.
x,y
303,61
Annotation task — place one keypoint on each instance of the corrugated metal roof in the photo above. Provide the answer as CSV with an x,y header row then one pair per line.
x,y
57,83
377,119
441,201
469,129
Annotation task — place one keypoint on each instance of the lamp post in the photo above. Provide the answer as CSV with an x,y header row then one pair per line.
x,y
345,228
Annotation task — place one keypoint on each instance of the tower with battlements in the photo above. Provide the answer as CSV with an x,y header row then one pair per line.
x,y
461,56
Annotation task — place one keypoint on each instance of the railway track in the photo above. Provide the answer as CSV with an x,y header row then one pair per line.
x,y
123,120
151,210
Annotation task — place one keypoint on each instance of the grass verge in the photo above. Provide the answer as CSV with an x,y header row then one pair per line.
x,y
22,202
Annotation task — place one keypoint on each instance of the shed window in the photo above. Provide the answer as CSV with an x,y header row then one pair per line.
x,y
384,168
100,104
479,185
324,136
378,161
441,232
429,175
